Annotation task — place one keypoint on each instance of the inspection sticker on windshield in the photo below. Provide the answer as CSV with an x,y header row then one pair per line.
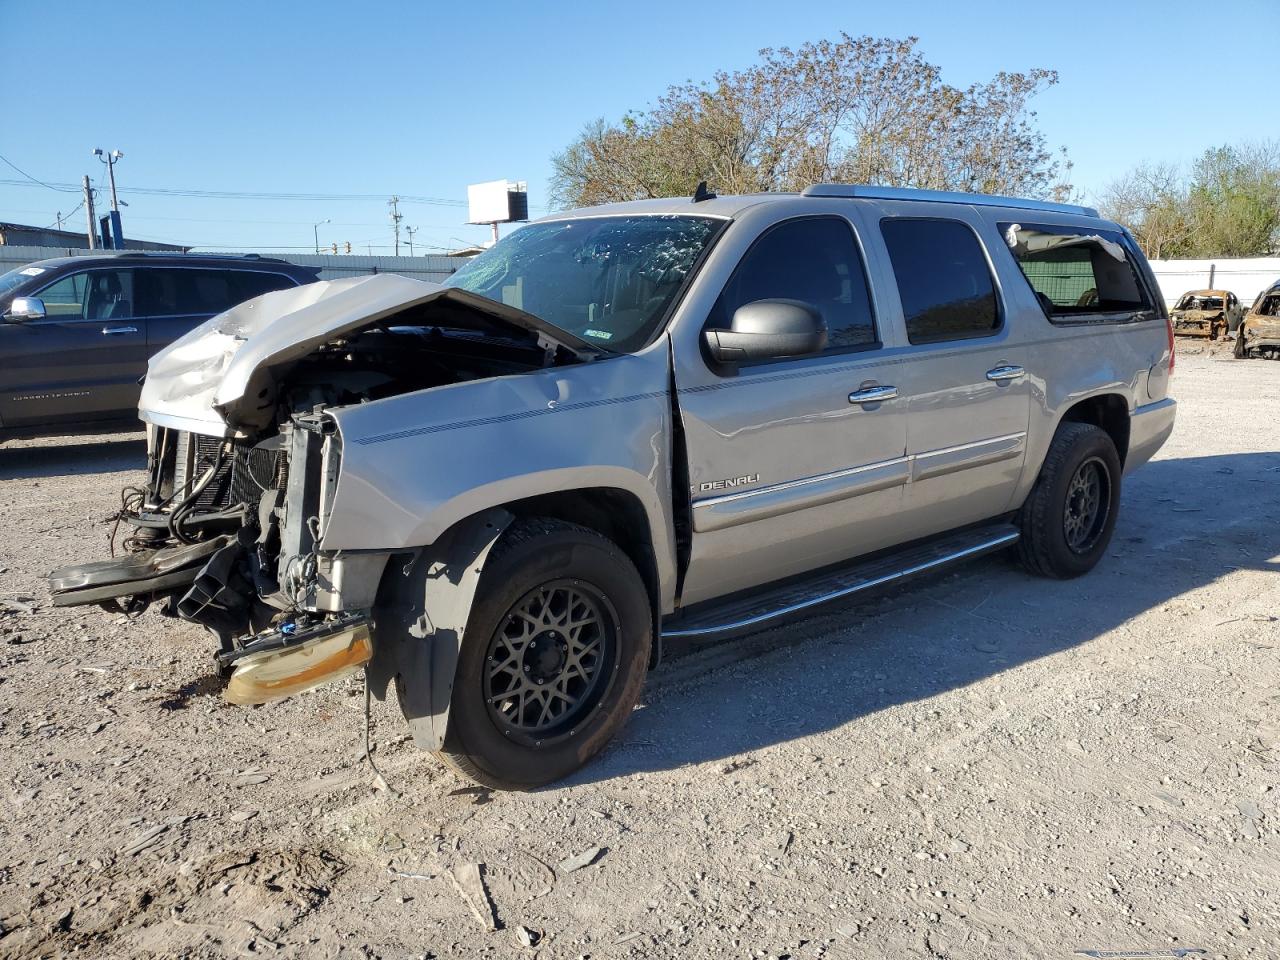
x,y
598,334
32,271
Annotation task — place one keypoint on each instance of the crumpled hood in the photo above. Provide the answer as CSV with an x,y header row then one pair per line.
x,y
218,378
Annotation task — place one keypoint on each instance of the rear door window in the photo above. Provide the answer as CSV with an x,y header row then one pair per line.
x,y
187,292
816,261
209,291
158,292
943,279
1077,271
249,284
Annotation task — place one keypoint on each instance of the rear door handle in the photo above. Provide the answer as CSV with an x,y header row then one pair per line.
x,y
114,331
873,394
1000,374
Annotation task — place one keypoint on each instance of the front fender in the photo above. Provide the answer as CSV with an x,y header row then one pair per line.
x,y
415,465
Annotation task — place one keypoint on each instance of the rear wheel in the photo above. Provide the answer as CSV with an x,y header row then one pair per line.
x,y
558,644
1068,519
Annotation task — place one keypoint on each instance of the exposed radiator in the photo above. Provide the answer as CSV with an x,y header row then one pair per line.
x,y
242,476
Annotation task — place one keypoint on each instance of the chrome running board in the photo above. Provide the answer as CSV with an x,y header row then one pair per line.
x,y
764,609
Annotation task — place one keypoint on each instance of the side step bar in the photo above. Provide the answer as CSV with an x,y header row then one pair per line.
x,y
764,609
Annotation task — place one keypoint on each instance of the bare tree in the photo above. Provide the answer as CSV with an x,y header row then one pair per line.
x,y
855,109
1151,200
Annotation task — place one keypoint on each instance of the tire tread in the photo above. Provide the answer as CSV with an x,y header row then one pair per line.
x,y
521,532
1033,546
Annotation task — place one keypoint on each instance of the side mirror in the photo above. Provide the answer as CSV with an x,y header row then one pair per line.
x,y
769,330
25,308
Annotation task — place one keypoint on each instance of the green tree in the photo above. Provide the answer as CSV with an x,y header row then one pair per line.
x,y
855,109
1227,206
1234,201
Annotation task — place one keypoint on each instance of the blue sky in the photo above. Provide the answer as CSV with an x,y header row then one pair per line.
x,y
421,99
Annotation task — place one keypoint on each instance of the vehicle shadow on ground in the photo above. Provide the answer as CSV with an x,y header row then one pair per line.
x,y
1183,523
75,455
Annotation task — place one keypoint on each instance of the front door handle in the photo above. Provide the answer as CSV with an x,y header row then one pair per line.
x,y
115,331
1003,373
873,394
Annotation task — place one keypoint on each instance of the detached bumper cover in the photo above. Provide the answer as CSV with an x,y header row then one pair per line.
x,y
133,575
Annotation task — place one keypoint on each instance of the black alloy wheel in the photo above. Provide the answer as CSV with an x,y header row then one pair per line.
x,y
550,661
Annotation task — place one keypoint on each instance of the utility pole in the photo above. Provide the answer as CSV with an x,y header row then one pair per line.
x,y
88,212
111,159
396,217
411,231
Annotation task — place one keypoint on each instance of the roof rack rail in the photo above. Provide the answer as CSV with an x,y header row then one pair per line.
x,y
868,192
180,253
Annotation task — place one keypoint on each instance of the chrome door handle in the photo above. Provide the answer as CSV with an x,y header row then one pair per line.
x,y
1000,374
113,331
873,394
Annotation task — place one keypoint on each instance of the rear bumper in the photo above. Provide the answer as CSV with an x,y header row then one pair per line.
x,y
1149,427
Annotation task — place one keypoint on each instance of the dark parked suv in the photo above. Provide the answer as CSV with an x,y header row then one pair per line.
x,y
77,331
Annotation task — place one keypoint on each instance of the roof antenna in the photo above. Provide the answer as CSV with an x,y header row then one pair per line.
x,y
701,192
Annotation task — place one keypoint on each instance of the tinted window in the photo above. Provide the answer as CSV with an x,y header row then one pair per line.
x,y
158,292
812,260
1073,270
92,295
209,291
250,284
180,291
943,280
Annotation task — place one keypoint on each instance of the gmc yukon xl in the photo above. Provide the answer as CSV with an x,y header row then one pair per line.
x,y
661,419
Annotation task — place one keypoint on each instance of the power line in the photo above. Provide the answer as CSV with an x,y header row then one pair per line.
x,y
244,194
61,188
248,195
66,216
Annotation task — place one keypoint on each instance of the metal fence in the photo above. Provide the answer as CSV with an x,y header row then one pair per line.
x,y
434,267
1246,277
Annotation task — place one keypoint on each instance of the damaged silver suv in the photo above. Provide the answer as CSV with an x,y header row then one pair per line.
x,y
652,420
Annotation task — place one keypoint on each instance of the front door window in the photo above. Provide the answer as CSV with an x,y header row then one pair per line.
x,y
91,295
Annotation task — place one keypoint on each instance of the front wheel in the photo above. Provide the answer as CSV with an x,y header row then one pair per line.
x,y
1067,521
557,647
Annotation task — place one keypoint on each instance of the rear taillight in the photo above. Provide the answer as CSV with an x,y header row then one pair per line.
x,y
1169,324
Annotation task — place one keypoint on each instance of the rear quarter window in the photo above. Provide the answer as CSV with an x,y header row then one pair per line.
x,y
1077,272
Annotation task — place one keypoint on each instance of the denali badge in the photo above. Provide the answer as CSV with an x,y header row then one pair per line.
x,y
729,484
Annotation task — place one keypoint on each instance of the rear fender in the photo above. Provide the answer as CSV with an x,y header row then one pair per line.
x,y
422,620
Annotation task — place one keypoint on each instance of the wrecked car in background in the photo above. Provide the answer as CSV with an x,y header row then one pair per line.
x,y
1206,313
1259,333
661,420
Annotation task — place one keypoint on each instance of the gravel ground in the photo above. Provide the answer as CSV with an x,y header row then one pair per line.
x,y
979,765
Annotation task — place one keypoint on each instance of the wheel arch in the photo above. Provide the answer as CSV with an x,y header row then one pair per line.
x,y
1110,412
616,514
424,664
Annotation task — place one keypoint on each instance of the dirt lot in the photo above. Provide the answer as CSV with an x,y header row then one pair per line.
x,y
982,765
